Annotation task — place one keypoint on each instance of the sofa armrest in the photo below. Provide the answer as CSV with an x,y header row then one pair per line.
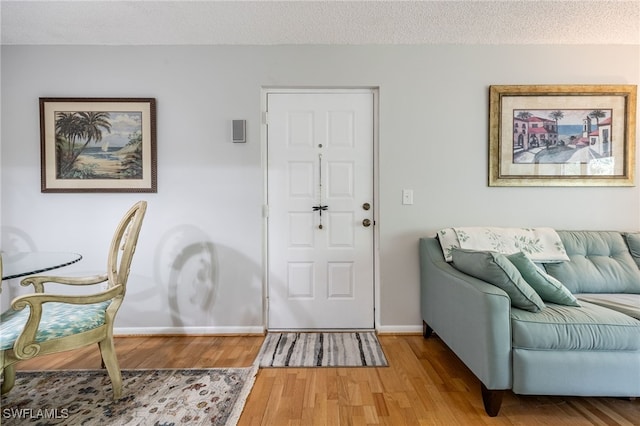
x,y
470,315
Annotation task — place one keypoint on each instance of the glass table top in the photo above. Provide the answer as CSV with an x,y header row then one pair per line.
x,y
21,264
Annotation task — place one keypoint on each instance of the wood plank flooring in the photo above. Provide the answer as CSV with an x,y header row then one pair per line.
x,y
425,384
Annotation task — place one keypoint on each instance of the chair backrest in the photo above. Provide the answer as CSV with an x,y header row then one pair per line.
x,y
124,243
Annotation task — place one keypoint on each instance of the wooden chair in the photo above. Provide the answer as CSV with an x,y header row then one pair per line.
x,y
55,323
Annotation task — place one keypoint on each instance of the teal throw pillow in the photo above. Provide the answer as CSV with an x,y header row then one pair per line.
x,y
496,269
547,287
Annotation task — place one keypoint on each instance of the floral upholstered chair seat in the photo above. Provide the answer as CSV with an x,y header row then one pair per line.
x,y
58,320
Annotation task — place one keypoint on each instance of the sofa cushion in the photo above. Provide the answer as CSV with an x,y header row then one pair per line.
x,y
628,304
548,288
496,269
590,327
633,242
600,262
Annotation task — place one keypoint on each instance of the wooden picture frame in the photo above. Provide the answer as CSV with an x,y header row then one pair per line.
x,y
562,135
98,145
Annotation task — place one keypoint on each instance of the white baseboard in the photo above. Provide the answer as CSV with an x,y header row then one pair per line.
x,y
399,329
239,330
187,331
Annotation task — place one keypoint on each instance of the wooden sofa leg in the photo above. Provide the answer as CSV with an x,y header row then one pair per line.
x,y
426,330
492,400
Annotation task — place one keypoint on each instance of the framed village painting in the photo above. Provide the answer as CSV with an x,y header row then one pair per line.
x,y
562,135
98,145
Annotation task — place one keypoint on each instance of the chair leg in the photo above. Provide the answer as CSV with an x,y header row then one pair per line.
x,y
102,366
110,361
9,378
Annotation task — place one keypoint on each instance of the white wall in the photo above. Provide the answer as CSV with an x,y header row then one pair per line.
x,y
199,262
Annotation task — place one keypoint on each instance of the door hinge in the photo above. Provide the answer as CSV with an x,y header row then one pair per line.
x,y
265,211
265,118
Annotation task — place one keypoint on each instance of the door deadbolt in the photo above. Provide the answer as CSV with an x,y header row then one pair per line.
x,y
366,206
366,223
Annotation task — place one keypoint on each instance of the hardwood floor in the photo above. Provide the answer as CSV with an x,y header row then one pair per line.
x,y
425,384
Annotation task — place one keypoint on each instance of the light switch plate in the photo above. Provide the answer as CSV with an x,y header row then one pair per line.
x,y
407,196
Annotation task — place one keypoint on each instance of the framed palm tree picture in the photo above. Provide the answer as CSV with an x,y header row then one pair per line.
x,y
98,145
562,135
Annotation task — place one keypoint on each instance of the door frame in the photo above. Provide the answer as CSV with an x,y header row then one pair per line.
x,y
265,169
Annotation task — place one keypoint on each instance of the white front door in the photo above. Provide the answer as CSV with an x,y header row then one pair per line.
x,y
320,202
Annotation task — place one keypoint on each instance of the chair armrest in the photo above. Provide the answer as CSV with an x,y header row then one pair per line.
x,y
471,316
26,346
38,299
38,281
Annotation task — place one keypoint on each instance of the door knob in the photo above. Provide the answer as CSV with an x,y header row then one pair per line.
x,y
366,223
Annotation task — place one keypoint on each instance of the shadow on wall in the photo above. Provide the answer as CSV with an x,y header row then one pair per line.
x,y
14,240
193,281
188,269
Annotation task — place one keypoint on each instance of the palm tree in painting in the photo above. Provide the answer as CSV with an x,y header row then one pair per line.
x,y
597,114
524,115
556,116
68,129
87,126
92,123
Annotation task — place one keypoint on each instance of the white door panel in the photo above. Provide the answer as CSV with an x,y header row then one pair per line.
x,y
320,153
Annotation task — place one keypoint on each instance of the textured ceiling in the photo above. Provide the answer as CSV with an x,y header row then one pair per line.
x,y
320,22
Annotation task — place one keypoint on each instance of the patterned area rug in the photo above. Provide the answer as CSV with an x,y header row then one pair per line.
x,y
150,397
322,350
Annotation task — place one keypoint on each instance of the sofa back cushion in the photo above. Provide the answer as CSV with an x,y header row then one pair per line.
x,y
600,262
633,241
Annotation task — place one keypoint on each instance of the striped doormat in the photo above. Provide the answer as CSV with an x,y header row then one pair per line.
x,y
355,349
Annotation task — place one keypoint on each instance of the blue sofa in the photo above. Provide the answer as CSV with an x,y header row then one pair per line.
x,y
590,350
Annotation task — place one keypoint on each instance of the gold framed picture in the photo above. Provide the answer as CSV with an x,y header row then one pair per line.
x,y
562,135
